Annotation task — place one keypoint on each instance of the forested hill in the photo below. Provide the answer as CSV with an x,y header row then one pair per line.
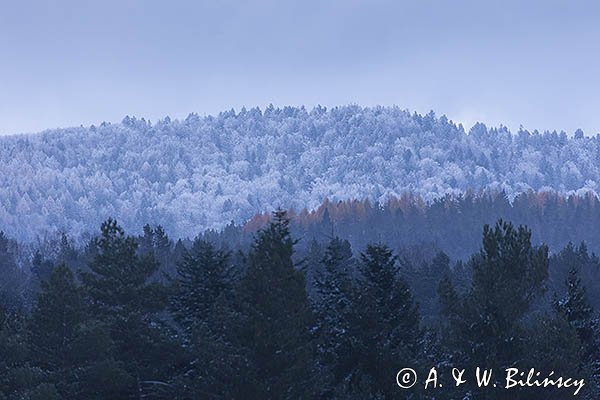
x,y
203,172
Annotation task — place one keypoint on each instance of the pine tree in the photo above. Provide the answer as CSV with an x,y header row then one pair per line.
x,y
120,294
67,253
578,311
485,325
69,346
276,316
507,276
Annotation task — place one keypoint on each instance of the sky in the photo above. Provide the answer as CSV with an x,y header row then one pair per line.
x,y
517,63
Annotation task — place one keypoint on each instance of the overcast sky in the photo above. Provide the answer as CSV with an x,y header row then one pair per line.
x,y
68,63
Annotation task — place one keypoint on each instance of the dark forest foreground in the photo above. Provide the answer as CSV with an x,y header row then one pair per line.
x,y
143,318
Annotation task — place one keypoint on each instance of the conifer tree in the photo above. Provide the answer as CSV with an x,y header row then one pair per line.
x,y
203,275
203,306
56,319
276,316
162,250
578,311
74,351
333,305
385,331
120,294
40,267
13,282
580,315
17,376
485,325
551,344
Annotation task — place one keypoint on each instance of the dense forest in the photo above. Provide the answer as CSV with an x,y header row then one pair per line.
x,y
386,258
203,172
264,313
451,223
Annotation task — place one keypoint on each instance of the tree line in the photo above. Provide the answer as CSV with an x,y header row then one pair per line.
x,y
451,223
141,317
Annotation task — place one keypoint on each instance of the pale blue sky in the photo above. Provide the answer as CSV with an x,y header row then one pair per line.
x,y
72,62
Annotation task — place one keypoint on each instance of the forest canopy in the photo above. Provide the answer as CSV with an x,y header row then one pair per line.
x,y
203,172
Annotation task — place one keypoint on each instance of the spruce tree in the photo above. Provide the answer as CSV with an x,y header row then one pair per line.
x,y
385,333
580,315
333,305
202,306
202,276
276,317
551,344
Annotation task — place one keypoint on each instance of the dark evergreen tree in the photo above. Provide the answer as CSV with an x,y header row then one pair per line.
x,y
203,306
17,377
178,252
332,308
40,267
72,349
486,324
120,294
55,321
424,283
215,365
579,313
239,325
162,251
551,344
14,294
67,253
581,317
588,271
203,275
146,241
384,335
277,317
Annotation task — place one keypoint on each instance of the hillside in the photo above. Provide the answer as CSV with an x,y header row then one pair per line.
x,y
203,172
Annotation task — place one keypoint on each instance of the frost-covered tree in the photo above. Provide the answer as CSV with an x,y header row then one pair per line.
x,y
202,173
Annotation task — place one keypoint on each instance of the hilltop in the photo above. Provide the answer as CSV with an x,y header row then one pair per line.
x,y
203,172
